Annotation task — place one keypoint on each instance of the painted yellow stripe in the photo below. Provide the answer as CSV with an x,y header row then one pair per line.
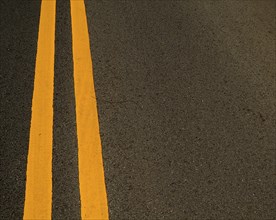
x,y
38,195
91,172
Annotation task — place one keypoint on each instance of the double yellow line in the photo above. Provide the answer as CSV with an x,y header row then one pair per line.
x,y
38,195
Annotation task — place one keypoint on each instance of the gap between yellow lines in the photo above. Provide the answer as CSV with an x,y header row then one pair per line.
x,y
38,194
91,172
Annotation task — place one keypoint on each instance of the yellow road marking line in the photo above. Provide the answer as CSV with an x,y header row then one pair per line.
x,y
38,194
91,172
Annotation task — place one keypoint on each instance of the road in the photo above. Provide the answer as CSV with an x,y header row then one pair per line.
x,y
182,115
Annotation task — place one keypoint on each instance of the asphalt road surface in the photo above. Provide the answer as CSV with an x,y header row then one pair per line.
x,y
185,95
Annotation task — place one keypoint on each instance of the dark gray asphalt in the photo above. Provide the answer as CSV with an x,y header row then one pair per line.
x,y
18,40
186,100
